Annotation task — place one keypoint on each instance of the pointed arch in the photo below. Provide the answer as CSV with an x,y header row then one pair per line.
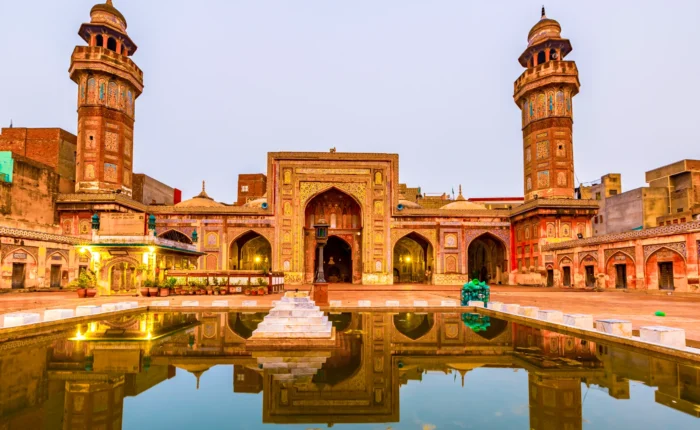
x,y
176,235
9,255
413,258
337,212
413,325
487,257
250,250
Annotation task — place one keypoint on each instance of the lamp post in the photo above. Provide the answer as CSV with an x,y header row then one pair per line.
x,y
319,292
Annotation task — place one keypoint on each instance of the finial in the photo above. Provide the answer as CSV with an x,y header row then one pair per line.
x,y
203,186
11,125
109,2
460,189
543,15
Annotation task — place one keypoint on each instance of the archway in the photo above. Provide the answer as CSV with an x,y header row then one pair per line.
x,y
487,258
250,251
344,216
122,276
176,236
337,261
413,325
413,257
665,270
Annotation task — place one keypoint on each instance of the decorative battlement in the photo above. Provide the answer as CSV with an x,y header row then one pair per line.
x,y
98,58
551,72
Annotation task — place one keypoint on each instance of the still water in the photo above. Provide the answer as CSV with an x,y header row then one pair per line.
x,y
398,371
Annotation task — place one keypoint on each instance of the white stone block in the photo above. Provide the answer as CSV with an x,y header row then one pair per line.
x,y
160,303
496,306
392,303
511,308
551,316
82,311
15,320
58,314
616,327
528,311
129,305
579,321
449,303
364,303
420,303
109,307
250,303
476,303
336,303
190,303
668,336
220,303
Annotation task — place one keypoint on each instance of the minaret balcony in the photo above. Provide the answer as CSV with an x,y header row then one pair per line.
x,y
99,59
549,73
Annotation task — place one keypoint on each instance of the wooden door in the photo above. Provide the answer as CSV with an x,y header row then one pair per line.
x,y
55,276
18,274
550,278
590,276
567,276
666,276
620,276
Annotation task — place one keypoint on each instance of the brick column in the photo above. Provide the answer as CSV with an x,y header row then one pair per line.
x,y
639,265
691,268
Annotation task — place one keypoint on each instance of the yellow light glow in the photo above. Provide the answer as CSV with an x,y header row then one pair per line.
x,y
93,327
79,335
408,259
142,326
257,259
151,249
149,336
83,250
96,257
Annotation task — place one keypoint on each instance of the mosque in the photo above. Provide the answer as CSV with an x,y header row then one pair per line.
x,y
70,202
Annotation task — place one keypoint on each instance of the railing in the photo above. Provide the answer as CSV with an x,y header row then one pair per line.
x,y
236,279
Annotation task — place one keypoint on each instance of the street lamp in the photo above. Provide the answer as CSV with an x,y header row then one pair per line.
x,y
320,289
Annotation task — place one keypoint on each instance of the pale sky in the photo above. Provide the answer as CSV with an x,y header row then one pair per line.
x,y
432,80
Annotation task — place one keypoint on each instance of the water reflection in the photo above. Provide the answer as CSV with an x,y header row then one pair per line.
x,y
79,377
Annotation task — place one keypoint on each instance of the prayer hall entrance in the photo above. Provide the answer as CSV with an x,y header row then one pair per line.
x,y
413,260
487,258
342,259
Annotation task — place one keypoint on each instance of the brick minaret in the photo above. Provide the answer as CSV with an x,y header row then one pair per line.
x,y
109,84
544,93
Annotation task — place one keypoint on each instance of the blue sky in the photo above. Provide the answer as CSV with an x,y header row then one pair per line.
x,y
228,81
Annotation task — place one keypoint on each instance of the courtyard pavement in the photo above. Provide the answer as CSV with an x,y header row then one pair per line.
x,y
682,310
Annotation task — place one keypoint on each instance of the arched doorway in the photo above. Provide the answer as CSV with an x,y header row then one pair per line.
x,y
413,256
122,276
337,261
344,216
413,325
250,251
487,258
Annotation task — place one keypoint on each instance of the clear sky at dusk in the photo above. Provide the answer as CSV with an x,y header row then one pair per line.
x,y
228,81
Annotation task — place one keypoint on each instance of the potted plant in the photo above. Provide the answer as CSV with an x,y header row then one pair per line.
x,y
144,288
84,284
247,292
262,291
152,286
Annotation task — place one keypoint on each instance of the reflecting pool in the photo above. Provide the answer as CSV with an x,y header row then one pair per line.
x,y
387,370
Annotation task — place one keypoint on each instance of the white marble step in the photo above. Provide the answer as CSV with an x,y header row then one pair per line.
x,y
298,335
295,306
296,313
286,299
300,320
269,327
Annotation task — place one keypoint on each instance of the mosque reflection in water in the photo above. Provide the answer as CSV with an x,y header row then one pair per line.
x,y
78,378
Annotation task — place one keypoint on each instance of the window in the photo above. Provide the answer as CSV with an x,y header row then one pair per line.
x,y
679,210
682,219
601,219
244,188
541,57
597,196
613,192
112,44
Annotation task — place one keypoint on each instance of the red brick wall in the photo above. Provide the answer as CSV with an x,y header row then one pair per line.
x,y
257,186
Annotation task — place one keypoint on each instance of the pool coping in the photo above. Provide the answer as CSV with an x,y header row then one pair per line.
x,y
48,327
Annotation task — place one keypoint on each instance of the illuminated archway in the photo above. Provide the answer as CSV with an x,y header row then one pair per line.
x,y
413,259
250,251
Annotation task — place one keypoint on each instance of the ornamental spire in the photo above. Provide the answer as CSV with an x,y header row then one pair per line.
x,y
109,2
543,14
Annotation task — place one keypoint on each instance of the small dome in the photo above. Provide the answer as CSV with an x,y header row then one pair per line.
x,y
463,204
257,203
409,204
201,200
544,29
106,13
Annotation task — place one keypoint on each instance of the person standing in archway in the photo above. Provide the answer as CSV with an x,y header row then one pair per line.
x,y
429,275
